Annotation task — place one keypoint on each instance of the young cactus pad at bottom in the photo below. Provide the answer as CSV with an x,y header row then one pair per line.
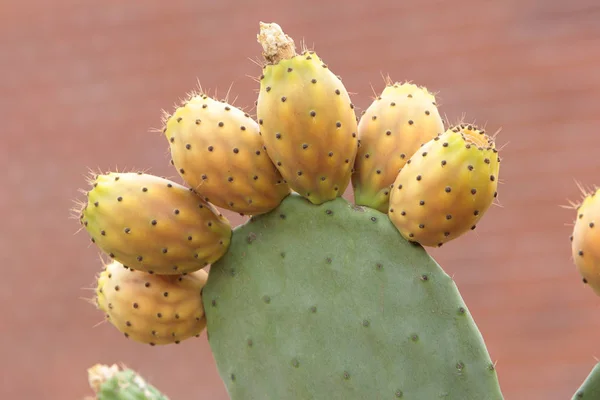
x,y
330,302
113,383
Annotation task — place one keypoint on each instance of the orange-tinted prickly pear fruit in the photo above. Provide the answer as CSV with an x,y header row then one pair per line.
x,y
152,224
446,187
308,125
217,150
152,308
391,130
585,241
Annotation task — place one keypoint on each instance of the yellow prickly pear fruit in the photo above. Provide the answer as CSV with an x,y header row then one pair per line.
x,y
306,119
396,124
150,308
218,151
585,241
152,224
446,186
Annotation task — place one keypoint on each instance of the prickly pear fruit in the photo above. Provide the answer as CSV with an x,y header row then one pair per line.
x,y
153,224
330,302
391,130
446,186
151,308
590,388
307,120
585,241
218,151
114,383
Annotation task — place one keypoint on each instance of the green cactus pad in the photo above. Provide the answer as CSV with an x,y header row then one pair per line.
x,y
330,302
113,383
590,388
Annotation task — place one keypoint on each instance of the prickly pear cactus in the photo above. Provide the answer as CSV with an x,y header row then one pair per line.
x,y
314,297
330,302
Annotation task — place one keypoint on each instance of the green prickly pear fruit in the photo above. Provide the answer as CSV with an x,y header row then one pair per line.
x,y
585,240
114,383
150,308
152,224
330,302
391,130
307,119
218,151
446,187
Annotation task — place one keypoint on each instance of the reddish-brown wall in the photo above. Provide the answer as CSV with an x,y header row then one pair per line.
x,y
82,83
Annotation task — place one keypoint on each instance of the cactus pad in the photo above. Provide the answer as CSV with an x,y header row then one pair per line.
x,y
330,302
114,383
590,388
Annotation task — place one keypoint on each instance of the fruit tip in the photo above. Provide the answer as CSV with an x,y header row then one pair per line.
x,y
276,44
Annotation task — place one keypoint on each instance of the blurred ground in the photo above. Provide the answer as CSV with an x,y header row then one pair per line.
x,y
82,83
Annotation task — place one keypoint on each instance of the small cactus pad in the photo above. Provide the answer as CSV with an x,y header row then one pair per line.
x,y
330,302
392,129
308,125
446,187
150,308
590,388
585,241
217,150
153,224
114,383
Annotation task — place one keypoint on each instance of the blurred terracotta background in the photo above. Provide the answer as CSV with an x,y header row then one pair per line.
x,y
83,83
